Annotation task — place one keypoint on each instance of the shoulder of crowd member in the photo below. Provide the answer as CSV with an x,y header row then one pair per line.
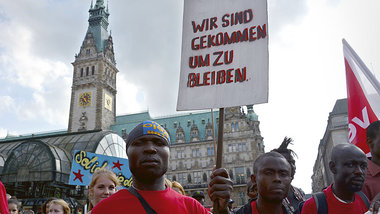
x,y
309,207
110,203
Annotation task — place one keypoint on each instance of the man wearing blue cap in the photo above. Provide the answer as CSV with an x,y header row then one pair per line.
x,y
148,155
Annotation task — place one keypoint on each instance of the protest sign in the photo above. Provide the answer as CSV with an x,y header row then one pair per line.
x,y
224,59
85,164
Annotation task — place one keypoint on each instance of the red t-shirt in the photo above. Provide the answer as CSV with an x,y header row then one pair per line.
x,y
371,185
254,208
166,201
3,200
336,206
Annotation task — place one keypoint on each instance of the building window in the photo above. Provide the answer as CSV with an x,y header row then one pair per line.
x,y
194,134
93,70
204,177
231,174
235,127
210,151
242,147
87,71
88,51
231,147
240,175
180,136
182,178
81,72
181,154
197,177
248,173
196,153
209,132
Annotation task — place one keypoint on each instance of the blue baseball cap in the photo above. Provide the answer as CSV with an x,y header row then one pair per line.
x,y
147,128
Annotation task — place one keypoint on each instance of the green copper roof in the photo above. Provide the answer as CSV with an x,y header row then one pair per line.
x,y
98,24
128,122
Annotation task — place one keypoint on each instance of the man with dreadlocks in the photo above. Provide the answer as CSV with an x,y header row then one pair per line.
x,y
295,195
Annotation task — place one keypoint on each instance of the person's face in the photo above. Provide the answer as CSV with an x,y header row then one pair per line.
x,y
273,179
350,170
103,188
56,209
374,145
148,157
13,208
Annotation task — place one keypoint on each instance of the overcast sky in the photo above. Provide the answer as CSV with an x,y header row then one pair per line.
x,y
38,41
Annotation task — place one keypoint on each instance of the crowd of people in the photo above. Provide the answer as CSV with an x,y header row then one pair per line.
x,y
355,188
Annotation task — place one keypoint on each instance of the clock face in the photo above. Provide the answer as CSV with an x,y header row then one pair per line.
x,y
108,102
85,99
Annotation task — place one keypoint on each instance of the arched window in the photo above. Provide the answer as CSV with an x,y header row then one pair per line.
x,y
204,177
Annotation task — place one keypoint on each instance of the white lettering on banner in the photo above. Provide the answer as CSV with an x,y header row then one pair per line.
x,y
363,124
351,132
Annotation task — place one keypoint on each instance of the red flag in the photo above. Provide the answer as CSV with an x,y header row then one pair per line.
x,y
363,97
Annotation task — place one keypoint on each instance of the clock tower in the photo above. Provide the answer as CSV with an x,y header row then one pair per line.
x,y
93,93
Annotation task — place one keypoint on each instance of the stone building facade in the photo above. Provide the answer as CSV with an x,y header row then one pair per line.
x,y
336,133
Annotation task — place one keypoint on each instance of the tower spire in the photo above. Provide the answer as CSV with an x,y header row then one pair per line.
x,y
98,24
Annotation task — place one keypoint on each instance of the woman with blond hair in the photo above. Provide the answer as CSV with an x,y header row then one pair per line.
x,y
178,187
59,206
103,185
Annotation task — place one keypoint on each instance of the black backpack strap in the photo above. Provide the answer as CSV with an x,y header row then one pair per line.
x,y
147,207
246,209
364,198
320,202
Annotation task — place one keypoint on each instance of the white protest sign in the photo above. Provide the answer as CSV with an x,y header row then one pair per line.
x,y
224,58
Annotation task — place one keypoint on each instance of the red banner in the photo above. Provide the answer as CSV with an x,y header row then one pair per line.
x,y
363,97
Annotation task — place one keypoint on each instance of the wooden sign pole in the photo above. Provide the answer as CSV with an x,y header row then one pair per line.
x,y
213,132
219,154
